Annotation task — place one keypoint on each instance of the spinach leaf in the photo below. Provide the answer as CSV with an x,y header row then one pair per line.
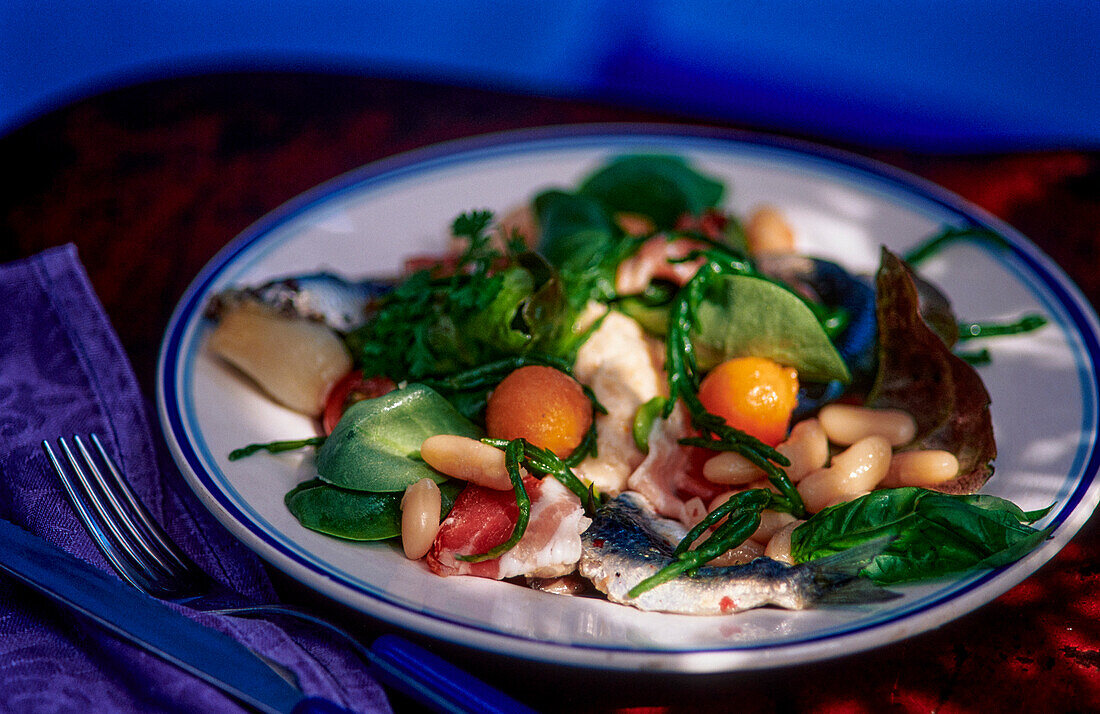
x,y
663,188
742,315
356,515
565,216
374,444
933,534
581,240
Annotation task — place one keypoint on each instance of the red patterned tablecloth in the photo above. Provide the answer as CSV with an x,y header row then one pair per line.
x,y
151,181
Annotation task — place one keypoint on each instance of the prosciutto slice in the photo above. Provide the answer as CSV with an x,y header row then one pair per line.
x,y
483,518
669,476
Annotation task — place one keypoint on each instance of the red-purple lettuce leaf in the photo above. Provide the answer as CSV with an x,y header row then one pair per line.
x,y
918,373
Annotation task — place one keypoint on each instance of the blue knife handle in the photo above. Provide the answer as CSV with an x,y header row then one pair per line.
x,y
435,682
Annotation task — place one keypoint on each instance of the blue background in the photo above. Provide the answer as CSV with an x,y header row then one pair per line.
x,y
932,74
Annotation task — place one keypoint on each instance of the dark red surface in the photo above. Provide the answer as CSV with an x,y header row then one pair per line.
x,y
151,181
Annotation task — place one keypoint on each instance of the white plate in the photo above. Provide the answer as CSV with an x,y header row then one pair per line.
x,y
1044,388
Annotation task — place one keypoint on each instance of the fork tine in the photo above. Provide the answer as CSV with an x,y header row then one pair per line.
x,y
124,532
155,544
91,523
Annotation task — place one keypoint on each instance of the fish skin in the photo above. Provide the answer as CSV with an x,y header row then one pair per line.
x,y
627,542
326,297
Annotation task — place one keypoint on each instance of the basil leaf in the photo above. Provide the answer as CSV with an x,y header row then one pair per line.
x,y
372,446
741,316
932,534
356,515
663,188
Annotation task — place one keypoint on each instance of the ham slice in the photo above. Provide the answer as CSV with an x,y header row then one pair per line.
x,y
483,518
656,259
670,476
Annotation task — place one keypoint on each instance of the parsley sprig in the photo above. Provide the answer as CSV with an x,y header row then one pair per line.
x,y
415,328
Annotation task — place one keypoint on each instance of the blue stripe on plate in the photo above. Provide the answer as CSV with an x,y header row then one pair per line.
x,y
1063,303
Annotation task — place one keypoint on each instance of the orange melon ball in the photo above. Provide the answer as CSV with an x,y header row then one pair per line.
x,y
546,407
753,394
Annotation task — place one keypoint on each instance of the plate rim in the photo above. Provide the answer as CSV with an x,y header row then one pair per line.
x,y
983,587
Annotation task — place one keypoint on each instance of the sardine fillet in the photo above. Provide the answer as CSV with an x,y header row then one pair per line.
x,y
625,545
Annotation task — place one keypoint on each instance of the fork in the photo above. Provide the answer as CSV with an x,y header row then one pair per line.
x,y
122,528
146,557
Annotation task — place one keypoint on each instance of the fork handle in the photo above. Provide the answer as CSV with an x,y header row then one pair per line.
x,y
435,682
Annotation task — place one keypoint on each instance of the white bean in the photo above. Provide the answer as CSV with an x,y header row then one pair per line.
x,y
747,552
467,459
421,507
731,469
846,424
856,470
779,547
928,467
807,448
771,522
767,231
719,500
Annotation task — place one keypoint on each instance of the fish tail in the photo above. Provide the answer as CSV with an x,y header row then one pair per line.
x,y
836,579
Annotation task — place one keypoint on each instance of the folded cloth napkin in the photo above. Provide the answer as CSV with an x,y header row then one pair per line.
x,y
63,371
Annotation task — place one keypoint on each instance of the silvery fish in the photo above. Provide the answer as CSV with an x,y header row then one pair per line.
x,y
627,542
339,303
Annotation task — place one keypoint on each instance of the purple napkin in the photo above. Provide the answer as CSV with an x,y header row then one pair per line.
x,y
63,371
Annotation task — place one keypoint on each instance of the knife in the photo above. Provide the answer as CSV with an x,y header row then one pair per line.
x,y
218,659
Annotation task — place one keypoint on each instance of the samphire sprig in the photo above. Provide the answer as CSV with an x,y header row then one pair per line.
x,y
518,454
484,377
683,380
513,456
741,512
545,462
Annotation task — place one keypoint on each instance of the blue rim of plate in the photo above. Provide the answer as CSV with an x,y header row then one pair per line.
x,y
1072,311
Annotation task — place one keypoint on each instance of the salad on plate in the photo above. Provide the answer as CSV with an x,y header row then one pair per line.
x,y
624,390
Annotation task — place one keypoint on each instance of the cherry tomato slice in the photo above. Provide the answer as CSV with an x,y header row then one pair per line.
x,y
352,388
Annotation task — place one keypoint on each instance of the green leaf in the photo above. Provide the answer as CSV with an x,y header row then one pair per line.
x,y
918,373
932,534
664,188
373,446
495,325
743,316
643,422
574,231
356,515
